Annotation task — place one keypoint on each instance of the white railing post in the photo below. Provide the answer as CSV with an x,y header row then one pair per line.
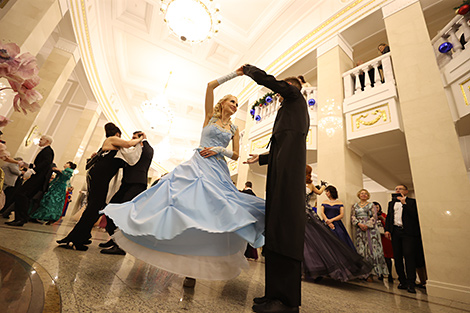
x,y
454,39
388,70
377,75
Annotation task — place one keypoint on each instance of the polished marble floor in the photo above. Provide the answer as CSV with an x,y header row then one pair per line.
x,y
76,281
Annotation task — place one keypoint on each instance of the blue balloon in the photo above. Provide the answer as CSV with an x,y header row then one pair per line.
x,y
252,112
445,47
311,102
258,118
269,99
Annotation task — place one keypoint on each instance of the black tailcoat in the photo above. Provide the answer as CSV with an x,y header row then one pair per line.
x,y
409,218
43,168
285,189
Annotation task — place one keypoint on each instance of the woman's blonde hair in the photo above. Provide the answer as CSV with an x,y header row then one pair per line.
x,y
218,106
359,192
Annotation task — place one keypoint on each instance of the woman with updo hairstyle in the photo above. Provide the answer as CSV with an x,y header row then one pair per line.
x,y
194,222
324,253
104,167
368,243
52,203
332,213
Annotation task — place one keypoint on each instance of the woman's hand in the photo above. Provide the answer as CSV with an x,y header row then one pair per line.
x,y
207,152
362,227
254,158
331,225
240,71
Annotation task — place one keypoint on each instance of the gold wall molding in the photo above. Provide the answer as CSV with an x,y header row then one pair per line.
x,y
378,113
464,94
260,143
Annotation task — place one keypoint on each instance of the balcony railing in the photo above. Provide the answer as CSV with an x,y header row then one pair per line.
x,y
456,32
367,76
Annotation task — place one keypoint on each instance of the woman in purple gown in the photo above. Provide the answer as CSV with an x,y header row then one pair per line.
x,y
332,213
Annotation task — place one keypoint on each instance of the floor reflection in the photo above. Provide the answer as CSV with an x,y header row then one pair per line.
x,y
93,282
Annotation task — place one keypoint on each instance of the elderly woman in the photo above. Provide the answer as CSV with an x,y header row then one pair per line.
x,y
368,242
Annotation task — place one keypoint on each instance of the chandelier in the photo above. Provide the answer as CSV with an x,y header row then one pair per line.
x,y
191,20
158,113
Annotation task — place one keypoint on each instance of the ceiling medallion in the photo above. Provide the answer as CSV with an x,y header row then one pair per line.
x,y
191,20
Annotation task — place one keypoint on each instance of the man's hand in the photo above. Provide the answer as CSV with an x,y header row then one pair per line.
x,y
254,158
402,199
144,136
240,71
388,235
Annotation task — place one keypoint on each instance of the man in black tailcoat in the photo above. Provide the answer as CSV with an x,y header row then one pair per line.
x,y
247,189
134,181
285,195
402,227
37,183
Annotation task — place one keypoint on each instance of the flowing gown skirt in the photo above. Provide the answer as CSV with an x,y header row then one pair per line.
x,y
194,222
326,255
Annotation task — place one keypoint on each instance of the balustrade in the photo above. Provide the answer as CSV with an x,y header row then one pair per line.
x,y
369,75
457,32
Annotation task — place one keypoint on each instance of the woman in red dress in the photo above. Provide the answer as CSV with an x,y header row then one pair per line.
x,y
386,243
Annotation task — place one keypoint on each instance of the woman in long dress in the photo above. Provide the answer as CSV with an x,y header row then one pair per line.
x,y
51,205
368,242
194,221
98,178
324,253
332,213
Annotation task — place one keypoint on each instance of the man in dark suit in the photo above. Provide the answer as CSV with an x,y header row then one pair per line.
x,y
134,181
285,195
37,183
402,227
247,189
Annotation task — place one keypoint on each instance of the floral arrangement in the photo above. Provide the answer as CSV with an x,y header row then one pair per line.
x,y
263,101
464,8
21,71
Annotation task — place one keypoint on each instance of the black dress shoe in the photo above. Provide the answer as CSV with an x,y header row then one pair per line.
x,y
274,306
15,223
107,244
260,300
402,286
411,289
114,250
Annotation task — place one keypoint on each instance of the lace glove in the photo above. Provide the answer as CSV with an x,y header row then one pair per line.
x,y
324,183
223,151
227,77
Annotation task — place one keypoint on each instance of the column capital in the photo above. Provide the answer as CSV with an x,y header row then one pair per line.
x,y
395,6
70,47
334,41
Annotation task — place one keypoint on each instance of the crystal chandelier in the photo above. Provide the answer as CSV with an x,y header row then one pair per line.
x,y
158,113
191,20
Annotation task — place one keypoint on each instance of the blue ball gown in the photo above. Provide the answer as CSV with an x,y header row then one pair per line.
x,y
332,211
194,222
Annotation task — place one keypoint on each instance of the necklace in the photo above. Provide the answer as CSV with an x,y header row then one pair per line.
x,y
224,124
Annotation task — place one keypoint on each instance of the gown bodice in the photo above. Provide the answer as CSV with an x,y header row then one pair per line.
x,y
213,135
332,210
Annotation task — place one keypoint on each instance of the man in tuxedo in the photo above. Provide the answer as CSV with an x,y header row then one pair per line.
x,y
134,181
36,184
285,195
247,189
402,227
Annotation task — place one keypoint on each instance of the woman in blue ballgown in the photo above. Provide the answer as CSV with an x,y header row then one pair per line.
x,y
194,221
332,213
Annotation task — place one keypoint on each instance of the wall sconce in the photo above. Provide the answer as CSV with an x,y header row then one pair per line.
x,y
33,136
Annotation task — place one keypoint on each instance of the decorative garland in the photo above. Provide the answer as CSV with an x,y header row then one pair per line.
x,y
464,8
263,101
